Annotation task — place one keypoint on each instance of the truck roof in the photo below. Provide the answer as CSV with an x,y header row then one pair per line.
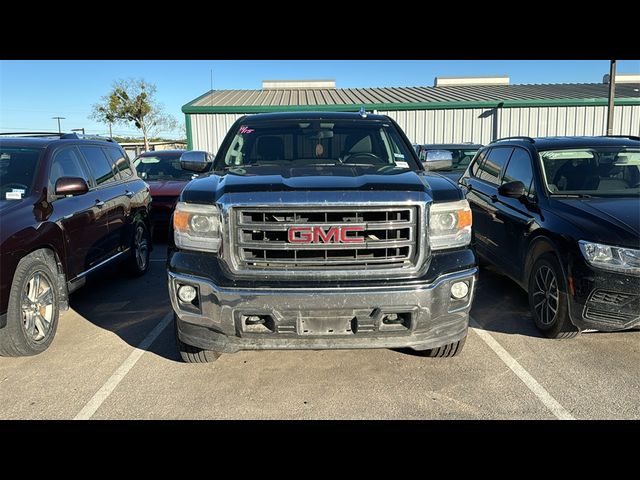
x,y
313,116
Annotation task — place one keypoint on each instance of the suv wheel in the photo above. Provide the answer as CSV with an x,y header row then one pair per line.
x,y
32,316
548,298
138,262
191,354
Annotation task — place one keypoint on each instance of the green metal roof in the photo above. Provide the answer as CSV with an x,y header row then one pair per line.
x,y
411,98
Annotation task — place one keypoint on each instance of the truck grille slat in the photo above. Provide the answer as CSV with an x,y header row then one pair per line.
x,y
261,238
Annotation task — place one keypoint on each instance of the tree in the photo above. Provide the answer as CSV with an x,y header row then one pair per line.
x,y
133,102
105,112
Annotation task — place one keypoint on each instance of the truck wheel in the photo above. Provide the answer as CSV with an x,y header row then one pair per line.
x,y
548,298
32,314
138,262
191,354
449,350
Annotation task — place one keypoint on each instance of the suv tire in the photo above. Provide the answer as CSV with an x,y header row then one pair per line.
x,y
548,292
138,262
32,314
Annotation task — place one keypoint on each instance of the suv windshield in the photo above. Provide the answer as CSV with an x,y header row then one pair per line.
x,y
17,168
161,167
317,142
592,171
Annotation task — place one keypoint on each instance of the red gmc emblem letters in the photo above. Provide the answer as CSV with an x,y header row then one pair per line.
x,y
319,235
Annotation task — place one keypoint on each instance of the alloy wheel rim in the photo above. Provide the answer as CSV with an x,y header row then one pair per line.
x,y
141,247
545,295
37,307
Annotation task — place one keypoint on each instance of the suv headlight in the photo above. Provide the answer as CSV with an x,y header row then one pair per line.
x,y
197,227
617,259
449,225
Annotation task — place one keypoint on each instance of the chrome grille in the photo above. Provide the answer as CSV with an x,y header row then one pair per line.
x,y
261,242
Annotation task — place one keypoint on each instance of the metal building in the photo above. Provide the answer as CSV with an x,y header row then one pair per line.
x,y
463,109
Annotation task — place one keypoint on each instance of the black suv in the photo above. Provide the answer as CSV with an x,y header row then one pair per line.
x,y
69,205
561,217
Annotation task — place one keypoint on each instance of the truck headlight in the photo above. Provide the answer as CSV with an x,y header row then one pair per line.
x,y
449,225
197,227
618,259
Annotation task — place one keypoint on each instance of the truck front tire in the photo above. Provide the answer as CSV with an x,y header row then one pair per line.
x,y
191,354
445,351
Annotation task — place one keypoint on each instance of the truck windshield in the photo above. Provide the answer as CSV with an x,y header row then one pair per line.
x,y
17,168
297,143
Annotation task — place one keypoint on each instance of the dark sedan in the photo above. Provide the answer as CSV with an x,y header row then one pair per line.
x,y
166,179
561,216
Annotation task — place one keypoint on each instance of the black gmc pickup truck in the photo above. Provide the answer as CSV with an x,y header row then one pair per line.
x,y
319,230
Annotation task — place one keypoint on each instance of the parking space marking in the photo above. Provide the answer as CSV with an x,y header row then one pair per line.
x,y
532,384
101,395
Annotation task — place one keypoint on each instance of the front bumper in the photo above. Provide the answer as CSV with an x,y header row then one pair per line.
x,y
426,316
603,300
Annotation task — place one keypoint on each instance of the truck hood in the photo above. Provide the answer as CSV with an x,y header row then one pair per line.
x,y
210,188
606,220
7,206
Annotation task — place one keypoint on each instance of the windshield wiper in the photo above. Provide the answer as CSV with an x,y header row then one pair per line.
x,y
571,195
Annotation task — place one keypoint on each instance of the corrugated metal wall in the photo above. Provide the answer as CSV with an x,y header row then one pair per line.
x,y
208,130
465,125
482,125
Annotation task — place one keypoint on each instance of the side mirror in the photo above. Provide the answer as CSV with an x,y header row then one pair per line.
x,y
435,165
513,189
435,160
196,161
71,186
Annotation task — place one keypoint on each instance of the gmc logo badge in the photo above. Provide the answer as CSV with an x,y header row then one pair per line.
x,y
319,235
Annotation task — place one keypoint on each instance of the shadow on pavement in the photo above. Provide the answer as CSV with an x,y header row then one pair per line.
x,y
502,306
128,306
132,307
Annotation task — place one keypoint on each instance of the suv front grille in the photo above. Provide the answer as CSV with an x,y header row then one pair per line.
x,y
261,238
608,317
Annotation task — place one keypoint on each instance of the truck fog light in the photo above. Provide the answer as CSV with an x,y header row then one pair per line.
x,y
186,293
459,290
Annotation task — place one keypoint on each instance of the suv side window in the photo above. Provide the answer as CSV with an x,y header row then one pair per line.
x,y
66,163
494,164
475,168
99,164
121,162
519,168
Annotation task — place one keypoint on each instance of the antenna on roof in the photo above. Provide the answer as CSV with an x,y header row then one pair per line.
x,y
363,112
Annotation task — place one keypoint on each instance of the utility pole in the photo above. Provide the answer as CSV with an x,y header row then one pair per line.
x,y
59,118
110,134
612,95
78,129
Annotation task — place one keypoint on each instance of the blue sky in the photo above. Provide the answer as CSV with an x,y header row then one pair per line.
x,y
31,92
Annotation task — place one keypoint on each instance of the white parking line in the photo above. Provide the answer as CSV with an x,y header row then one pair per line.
x,y
101,395
532,384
